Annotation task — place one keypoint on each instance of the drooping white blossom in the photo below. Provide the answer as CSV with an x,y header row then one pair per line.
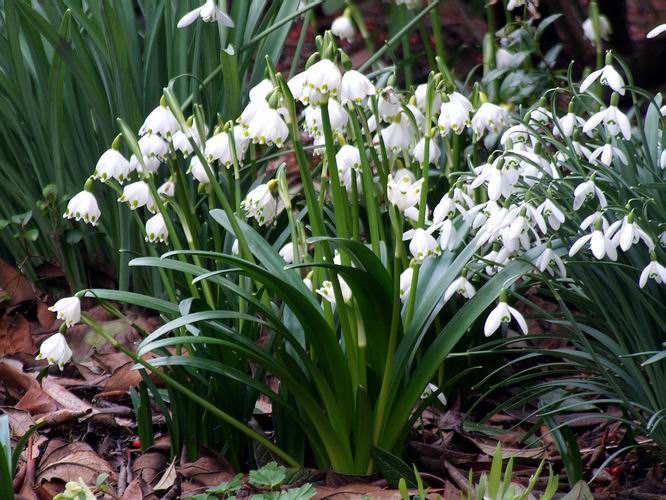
x,y
55,350
68,309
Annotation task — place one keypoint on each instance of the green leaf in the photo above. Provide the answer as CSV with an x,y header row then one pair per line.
x,y
226,487
393,468
31,235
269,476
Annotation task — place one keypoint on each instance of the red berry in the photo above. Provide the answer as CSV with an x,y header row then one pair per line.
x,y
136,443
615,471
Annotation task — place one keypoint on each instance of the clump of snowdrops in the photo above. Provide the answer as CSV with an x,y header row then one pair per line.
x,y
343,271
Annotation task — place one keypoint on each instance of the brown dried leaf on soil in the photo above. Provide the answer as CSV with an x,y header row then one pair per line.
x,y
16,285
71,461
205,472
15,336
149,465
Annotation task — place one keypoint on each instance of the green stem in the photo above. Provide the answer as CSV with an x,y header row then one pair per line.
x,y
191,395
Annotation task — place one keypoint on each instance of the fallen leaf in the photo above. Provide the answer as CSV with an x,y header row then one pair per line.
x,y
206,471
15,336
71,461
149,465
168,478
16,284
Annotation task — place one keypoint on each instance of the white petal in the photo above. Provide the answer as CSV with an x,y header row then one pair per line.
x,y
519,319
189,18
590,80
493,321
657,31
575,248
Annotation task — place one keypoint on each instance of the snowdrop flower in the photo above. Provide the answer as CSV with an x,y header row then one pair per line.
x,y
347,157
152,164
328,293
448,236
83,206
541,115
604,155
552,214
388,104
153,146
549,261
297,87
657,31
198,171
324,77
268,127
587,190
430,390
167,189
209,13
68,310
261,90
489,117
433,153
605,29
112,165
406,283
217,147
607,76
568,123
502,314
423,245
506,59
343,27
514,4
287,253
55,350
654,270
462,286
137,195
182,143
518,135
592,218
662,160
626,233
235,250
420,94
453,115
355,87
261,204
398,135
160,121
600,244
403,191
156,229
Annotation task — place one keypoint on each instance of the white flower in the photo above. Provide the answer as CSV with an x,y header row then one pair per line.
x,y
235,248
403,191
662,160
152,163
512,4
398,135
547,259
261,204
55,350
112,164
209,13
347,157
268,127
406,283
462,286
568,123
423,245
489,117
83,206
453,115
355,87
328,293
657,31
502,314
604,155
430,390
261,90
552,214
654,270
506,59
606,76
600,244
138,195
297,87
587,190
167,189
156,229
605,29
160,121
433,153
420,94
153,146
68,310
182,143
388,104
287,253
615,121
626,233
198,171
448,236
343,27
323,77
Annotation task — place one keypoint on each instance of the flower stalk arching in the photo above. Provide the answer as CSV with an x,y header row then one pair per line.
x,y
252,434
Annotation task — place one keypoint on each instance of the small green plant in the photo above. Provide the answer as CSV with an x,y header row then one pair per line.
x,y
421,489
499,485
9,458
